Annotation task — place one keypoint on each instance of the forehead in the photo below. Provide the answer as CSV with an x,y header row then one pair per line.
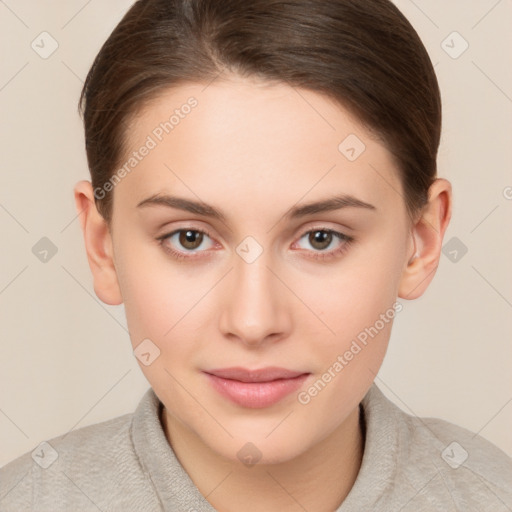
x,y
254,141
250,111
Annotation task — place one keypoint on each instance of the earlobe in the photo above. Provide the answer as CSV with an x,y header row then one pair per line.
x,y
98,245
427,236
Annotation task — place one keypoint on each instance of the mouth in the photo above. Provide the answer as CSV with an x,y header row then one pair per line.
x,y
255,389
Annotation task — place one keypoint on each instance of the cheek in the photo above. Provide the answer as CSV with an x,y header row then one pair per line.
x,y
162,306
356,302
352,295
157,293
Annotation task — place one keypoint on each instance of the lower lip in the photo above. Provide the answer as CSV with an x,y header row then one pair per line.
x,y
256,395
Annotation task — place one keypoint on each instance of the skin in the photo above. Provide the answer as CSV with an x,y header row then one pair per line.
x,y
254,150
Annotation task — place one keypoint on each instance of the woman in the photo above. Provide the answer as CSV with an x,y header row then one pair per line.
x,y
263,193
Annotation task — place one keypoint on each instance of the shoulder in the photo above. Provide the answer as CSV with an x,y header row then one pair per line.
x,y
416,464
452,464
90,467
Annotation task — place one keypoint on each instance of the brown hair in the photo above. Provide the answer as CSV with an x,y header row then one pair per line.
x,y
363,54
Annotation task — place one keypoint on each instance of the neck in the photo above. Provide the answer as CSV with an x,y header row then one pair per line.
x,y
317,479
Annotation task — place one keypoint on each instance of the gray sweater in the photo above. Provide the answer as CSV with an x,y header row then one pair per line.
x,y
125,464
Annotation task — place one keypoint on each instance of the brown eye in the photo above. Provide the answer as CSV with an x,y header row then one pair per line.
x,y
190,239
324,244
186,243
320,239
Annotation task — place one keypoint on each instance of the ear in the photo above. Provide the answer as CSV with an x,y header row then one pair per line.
x,y
427,238
98,245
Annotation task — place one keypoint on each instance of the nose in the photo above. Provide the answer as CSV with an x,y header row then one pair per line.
x,y
256,306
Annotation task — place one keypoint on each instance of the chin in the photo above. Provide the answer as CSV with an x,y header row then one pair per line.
x,y
260,450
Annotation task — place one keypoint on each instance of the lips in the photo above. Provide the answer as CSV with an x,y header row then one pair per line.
x,y
255,389
263,375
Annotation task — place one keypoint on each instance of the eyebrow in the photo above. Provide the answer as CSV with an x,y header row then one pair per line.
x,y
206,210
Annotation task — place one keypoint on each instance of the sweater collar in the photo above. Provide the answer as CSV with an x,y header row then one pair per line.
x,y
177,491
379,464
172,484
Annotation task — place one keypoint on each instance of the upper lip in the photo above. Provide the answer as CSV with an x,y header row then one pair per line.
x,y
260,375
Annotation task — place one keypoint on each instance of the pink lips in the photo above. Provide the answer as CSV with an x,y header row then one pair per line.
x,y
255,388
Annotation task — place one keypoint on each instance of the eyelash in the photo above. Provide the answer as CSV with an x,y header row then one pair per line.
x,y
319,255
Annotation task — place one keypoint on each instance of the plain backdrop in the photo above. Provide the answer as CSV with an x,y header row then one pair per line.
x,y
66,358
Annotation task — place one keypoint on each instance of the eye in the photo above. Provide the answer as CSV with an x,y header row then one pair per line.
x,y
186,240
322,238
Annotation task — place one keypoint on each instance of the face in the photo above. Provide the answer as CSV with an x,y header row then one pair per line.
x,y
265,283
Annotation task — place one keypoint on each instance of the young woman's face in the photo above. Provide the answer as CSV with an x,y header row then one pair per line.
x,y
268,283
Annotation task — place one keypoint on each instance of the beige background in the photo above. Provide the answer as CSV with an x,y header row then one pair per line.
x,y
66,359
